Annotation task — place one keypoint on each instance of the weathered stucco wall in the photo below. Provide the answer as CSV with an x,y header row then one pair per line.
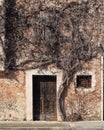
x,y
24,36
79,104
85,104
12,96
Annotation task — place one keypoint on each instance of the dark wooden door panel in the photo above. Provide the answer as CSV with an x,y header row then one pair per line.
x,y
46,99
50,99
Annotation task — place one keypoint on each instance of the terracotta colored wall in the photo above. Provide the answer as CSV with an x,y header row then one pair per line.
x,y
78,103
12,96
83,105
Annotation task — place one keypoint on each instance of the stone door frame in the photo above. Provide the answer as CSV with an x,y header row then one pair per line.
x,y
29,89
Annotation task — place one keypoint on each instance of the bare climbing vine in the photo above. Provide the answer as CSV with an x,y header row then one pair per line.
x,y
38,35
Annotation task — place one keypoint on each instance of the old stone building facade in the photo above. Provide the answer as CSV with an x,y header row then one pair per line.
x,y
44,43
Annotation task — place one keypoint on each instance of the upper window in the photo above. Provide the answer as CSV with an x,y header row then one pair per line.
x,y
83,81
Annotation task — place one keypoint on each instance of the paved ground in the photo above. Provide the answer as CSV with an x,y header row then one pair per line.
x,y
51,125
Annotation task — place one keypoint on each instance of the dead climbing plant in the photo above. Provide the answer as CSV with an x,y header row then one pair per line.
x,y
38,35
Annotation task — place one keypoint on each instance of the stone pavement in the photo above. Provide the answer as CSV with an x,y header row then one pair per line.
x,y
51,125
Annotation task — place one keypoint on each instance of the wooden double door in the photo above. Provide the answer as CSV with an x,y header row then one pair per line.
x,y
44,98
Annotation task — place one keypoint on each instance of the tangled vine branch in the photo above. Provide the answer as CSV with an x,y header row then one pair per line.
x,y
38,35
